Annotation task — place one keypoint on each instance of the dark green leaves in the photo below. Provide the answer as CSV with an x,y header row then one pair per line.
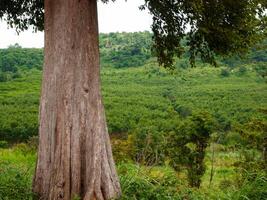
x,y
21,14
212,27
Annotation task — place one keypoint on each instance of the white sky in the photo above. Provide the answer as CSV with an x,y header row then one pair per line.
x,y
113,17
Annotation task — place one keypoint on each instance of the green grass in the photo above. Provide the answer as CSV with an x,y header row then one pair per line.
x,y
137,181
16,172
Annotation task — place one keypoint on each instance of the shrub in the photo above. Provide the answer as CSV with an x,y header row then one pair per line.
x,y
123,149
225,72
242,70
24,149
3,144
233,139
261,69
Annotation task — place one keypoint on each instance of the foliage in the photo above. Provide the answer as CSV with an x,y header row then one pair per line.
x,y
3,144
125,49
16,173
212,27
144,99
252,177
158,119
187,145
15,57
122,50
216,27
15,60
122,148
261,69
225,72
255,189
140,182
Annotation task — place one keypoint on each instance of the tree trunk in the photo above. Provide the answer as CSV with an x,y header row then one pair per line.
x,y
74,155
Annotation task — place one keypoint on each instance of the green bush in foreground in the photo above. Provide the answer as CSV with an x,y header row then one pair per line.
x,y
138,182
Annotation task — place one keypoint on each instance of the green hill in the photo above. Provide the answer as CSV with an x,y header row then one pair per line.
x,y
140,96
118,50
168,128
145,96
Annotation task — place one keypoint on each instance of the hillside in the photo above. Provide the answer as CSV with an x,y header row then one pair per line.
x,y
137,97
187,133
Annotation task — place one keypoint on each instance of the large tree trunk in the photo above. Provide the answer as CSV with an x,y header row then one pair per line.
x,y
74,156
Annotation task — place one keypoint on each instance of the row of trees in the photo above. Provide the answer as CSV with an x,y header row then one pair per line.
x,y
120,50
15,60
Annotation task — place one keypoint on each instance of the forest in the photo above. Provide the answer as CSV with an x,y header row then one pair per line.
x,y
183,133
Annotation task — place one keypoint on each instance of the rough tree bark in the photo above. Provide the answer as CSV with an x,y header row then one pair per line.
x,y
74,155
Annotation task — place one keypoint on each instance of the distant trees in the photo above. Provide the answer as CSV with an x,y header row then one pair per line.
x,y
121,50
15,59
125,49
15,56
117,50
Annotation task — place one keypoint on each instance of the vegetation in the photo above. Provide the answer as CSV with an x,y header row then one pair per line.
x,y
204,127
15,60
125,49
74,156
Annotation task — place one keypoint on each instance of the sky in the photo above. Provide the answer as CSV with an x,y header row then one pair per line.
x,y
113,17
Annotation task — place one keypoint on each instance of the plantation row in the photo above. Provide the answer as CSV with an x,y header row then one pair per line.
x,y
146,96
196,127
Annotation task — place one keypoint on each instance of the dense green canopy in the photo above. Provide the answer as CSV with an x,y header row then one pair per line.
x,y
21,14
211,26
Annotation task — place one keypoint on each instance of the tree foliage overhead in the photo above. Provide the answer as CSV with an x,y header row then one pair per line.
x,y
21,14
212,26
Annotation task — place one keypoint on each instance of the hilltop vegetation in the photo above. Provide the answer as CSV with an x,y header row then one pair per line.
x,y
15,60
125,49
120,50
204,127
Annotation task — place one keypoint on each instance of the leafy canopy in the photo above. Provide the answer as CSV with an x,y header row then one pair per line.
x,y
212,27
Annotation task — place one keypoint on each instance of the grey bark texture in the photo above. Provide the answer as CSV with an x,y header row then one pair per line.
x,y
74,155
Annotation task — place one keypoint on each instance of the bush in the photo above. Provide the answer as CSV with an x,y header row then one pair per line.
x,y
261,69
242,70
122,149
3,144
233,139
225,72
